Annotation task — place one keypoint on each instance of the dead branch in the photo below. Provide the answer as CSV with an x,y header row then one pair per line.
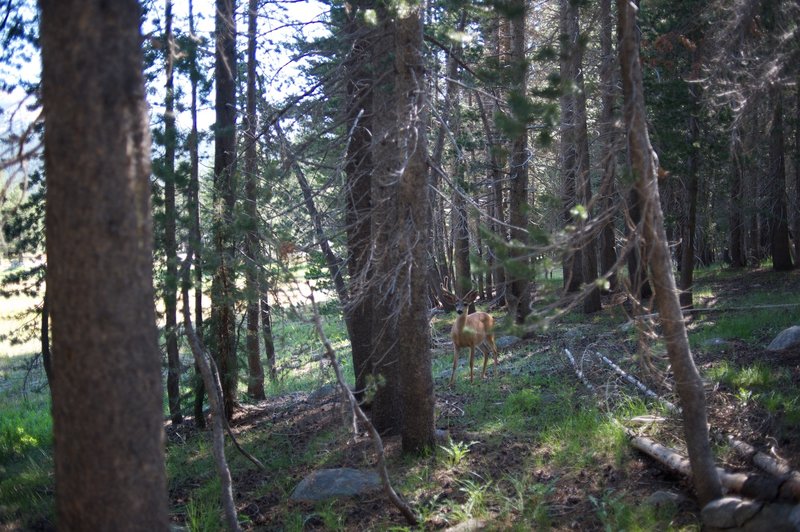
x,y
789,478
726,309
215,403
750,485
578,371
644,389
398,502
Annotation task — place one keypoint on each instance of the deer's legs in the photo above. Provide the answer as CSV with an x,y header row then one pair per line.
x,y
455,365
471,361
493,346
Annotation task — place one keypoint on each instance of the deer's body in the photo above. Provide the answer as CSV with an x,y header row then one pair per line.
x,y
470,331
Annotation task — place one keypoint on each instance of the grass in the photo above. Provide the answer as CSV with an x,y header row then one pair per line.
x,y
541,418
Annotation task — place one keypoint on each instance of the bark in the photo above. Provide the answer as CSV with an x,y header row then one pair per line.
x,y
644,164
797,175
107,398
255,383
637,267
591,301
689,228
383,290
47,360
193,205
223,284
266,329
518,288
170,239
608,136
737,251
358,203
416,379
776,213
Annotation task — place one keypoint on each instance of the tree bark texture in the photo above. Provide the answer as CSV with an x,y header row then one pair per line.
x,y
383,287
644,164
416,379
778,222
737,250
107,397
252,244
223,284
517,271
170,238
358,203
690,225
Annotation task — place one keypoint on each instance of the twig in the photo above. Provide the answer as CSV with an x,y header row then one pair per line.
x,y
578,371
726,309
647,391
399,503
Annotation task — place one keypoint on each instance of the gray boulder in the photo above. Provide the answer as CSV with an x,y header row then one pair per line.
x,y
786,339
332,483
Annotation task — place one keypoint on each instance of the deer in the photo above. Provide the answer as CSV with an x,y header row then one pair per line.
x,y
470,331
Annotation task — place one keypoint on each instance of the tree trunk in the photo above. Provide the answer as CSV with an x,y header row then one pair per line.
x,y
608,136
416,379
223,284
193,206
383,290
255,382
689,228
737,252
797,176
644,164
776,213
107,397
266,329
170,239
518,289
358,203
588,248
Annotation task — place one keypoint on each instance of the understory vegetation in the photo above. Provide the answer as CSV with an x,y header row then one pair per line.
x,y
529,448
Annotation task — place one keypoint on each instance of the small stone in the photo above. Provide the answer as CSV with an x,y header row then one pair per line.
x,y
666,498
333,483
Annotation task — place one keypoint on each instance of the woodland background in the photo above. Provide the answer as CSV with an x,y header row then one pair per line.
x,y
180,179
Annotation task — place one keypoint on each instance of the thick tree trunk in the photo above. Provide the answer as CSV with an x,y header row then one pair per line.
x,y
608,136
797,176
223,284
358,203
107,397
517,274
778,222
644,165
255,382
170,239
414,355
383,289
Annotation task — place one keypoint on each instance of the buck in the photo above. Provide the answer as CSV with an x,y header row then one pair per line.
x,y
470,331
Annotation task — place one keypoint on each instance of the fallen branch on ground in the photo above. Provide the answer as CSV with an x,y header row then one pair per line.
x,y
789,479
398,502
647,391
578,371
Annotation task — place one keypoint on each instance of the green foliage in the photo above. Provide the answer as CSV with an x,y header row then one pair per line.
x,y
455,452
24,428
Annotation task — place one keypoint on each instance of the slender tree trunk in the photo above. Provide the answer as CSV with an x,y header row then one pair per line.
x,y
690,225
358,203
255,383
107,397
778,220
223,285
170,239
416,379
797,175
266,329
644,164
518,288
608,136
193,205
591,302
738,257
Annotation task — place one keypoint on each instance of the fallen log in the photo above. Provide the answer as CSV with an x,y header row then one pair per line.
x,y
789,478
754,486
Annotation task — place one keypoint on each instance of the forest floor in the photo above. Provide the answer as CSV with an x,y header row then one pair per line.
x,y
533,448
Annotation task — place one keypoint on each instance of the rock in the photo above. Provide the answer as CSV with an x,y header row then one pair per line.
x,y
666,498
470,525
715,342
332,483
506,341
786,339
729,512
323,392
